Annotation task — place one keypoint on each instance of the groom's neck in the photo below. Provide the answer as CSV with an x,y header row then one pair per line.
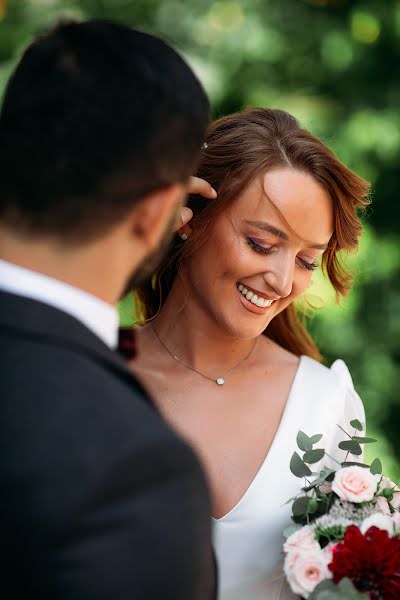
x,y
96,268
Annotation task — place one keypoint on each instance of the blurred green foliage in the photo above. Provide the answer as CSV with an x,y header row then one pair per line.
x,y
334,65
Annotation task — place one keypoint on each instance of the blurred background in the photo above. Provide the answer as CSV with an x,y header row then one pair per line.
x,y
334,65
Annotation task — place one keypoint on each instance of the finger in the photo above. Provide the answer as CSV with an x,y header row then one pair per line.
x,y
201,187
185,214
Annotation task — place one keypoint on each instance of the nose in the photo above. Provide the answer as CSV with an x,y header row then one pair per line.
x,y
280,276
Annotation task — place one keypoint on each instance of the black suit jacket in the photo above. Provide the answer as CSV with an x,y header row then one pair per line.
x,y
99,499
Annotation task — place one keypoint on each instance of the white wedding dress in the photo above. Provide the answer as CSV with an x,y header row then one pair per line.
x,y
248,540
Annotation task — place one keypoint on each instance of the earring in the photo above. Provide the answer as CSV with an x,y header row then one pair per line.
x,y
184,237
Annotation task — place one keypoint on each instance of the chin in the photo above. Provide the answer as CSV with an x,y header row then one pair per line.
x,y
247,331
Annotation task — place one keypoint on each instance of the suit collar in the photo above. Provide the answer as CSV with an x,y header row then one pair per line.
x,y
29,318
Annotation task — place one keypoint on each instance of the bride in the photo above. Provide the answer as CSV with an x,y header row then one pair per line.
x,y
224,352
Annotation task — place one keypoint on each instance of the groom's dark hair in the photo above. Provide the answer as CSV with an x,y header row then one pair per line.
x,y
95,116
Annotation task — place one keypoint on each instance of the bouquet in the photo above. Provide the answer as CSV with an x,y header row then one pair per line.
x,y
345,541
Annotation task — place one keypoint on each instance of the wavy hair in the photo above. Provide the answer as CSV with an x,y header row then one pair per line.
x,y
238,148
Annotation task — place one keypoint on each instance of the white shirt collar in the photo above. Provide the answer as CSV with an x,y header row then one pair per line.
x,y
98,316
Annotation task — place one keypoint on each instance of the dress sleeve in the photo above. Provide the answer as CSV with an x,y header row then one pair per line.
x,y
353,408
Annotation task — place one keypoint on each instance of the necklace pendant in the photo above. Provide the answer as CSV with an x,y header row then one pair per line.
x,y
220,381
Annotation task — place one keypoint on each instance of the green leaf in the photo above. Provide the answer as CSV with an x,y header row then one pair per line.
x,y
376,467
345,590
290,530
354,464
303,441
312,506
304,506
387,493
316,438
351,446
323,476
299,507
363,440
313,456
297,466
357,425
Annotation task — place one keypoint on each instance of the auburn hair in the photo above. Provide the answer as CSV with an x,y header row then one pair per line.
x,y
239,148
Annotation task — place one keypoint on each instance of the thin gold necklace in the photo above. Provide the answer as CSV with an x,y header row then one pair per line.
x,y
218,380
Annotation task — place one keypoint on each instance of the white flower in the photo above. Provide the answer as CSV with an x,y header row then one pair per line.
x,y
306,569
302,539
396,522
378,520
354,484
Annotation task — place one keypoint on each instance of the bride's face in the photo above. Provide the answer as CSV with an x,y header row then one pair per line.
x,y
261,252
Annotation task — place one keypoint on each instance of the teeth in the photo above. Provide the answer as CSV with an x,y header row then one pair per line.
x,y
254,299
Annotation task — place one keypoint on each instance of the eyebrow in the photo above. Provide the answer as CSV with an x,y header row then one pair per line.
x,y
279,233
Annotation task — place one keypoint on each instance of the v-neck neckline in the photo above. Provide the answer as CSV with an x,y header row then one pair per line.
x,y
271,448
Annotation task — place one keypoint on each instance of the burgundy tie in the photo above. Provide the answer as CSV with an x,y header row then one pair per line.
x,y
127,342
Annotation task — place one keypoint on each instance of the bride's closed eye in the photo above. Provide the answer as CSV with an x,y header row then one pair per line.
x,y
258,248
309,265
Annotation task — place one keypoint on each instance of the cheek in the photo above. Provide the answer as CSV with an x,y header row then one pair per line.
x,y
301,282
223,256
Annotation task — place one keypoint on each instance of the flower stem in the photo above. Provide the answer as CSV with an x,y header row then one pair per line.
x,y
334,459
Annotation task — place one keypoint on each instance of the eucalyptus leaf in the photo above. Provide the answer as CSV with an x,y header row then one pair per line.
x,y
345,590
303,441
316,438
354,464
313,456
363,440
376,467
300,506
356,424
290,500
291,529
297,466
351,446
323,476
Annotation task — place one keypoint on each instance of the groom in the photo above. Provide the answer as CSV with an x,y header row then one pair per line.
x,y
100,129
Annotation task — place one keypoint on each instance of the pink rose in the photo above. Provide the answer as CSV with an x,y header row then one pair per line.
x,y
302,539
305,570
354,484
326,488
388,483
383,506
395,501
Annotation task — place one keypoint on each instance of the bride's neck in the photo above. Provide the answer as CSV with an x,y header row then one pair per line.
x,y
189,332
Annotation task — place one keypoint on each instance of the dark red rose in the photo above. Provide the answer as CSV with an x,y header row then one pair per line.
x,y
371,561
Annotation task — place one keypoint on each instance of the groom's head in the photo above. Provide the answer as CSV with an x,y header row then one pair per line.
x,y
100,128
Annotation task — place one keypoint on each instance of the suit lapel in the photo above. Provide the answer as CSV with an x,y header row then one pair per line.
x,y
27,318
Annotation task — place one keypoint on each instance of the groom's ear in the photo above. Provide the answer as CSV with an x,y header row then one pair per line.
x,y
155,213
